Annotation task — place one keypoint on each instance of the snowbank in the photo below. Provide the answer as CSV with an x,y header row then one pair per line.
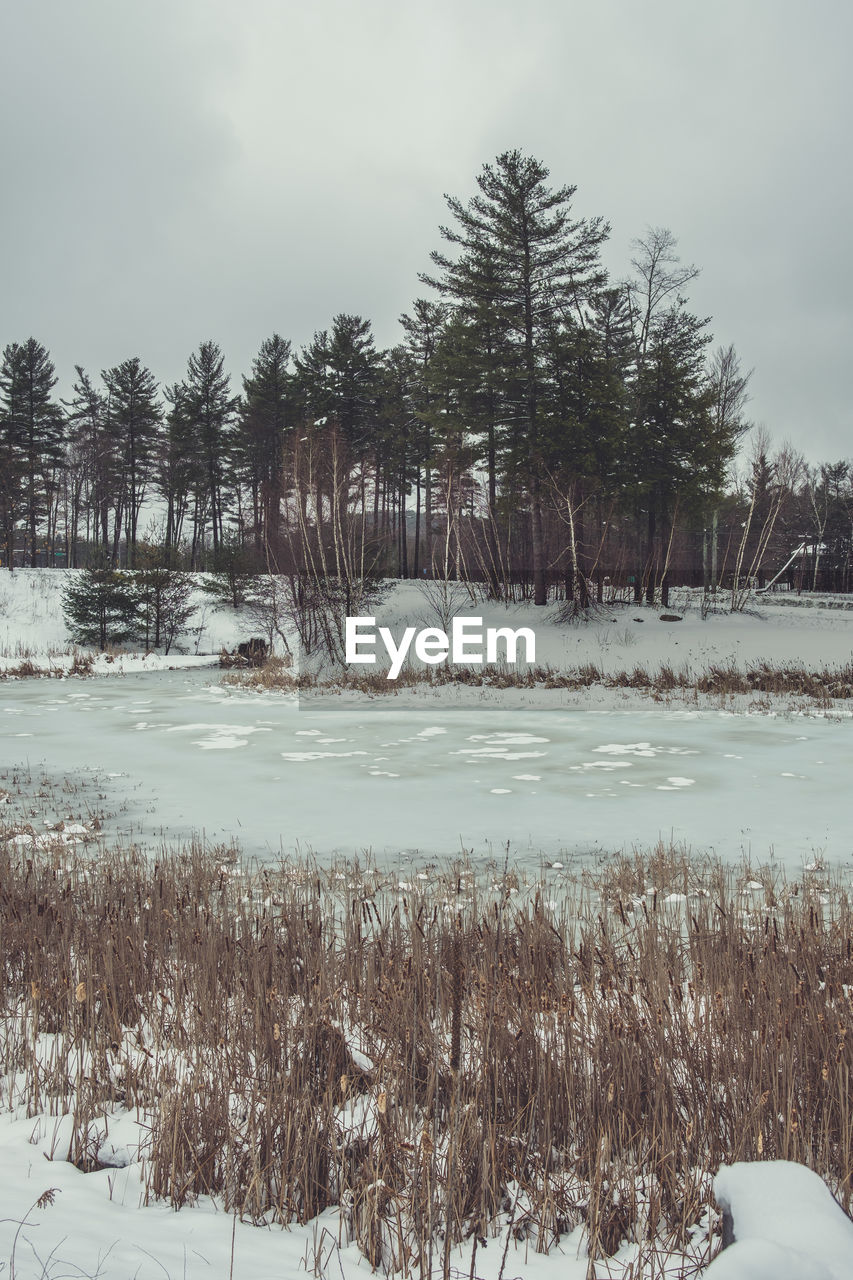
x,y
787,1225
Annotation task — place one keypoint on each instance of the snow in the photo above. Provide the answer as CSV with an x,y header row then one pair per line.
x,y
161,747
787,1225
98,1224
813,630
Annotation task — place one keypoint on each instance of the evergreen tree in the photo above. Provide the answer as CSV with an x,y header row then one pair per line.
x,y
99,606
133,421
266,415
524,263
163,597
208,410
91,460
395,442
338,381
423,329
679,450
232,577
31,439
177,468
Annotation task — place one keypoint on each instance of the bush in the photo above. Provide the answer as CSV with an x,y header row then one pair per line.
x,y
232,577
162,596
100,607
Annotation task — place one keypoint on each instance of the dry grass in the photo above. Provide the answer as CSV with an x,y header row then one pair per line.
x,y
33,667
824,685
435,1055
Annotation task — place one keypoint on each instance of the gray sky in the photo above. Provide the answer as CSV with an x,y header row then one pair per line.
x,y
176,170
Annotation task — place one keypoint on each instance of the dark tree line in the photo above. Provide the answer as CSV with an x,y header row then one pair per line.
x,y
538,423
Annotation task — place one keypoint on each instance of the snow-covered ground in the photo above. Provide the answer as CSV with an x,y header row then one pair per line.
x,y
94,1225
809,630
420,772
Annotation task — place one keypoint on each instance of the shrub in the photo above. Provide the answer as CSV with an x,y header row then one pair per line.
x,y
99,607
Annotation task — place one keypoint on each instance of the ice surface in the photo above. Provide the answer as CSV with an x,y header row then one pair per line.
x,y
348,777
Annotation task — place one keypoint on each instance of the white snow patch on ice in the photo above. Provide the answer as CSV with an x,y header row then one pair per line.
x,y
319,755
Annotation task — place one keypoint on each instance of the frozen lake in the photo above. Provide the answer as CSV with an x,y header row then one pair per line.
x,y
176,753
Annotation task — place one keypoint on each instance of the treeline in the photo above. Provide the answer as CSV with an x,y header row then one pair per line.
x,y
539,424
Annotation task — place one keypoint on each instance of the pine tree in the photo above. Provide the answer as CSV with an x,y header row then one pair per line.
x,y
525,264
679,451
208,410
91,460
133,421
423,330
100,607
337,378
266,414
177,469
396,441
31,439
163,597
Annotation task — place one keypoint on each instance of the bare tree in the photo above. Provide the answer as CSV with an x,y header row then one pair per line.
x,y
660,275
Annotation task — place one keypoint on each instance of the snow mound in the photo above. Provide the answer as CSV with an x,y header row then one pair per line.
x,y
787,1225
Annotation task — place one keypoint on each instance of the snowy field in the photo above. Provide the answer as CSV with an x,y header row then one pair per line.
x,y
154,746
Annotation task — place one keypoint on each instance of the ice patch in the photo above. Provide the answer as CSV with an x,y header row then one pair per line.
x,y
319,755
219,737
496,753
606,765
430,733
506,739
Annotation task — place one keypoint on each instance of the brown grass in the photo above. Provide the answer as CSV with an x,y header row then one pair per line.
x,y
545,1055
82,664
823,685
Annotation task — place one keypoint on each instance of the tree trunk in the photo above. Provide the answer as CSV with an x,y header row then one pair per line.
x,y
540,588
650,580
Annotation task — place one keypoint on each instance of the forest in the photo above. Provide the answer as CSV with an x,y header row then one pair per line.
x,y
541,428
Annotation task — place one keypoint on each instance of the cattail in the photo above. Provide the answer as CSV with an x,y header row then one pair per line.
x,y
458,982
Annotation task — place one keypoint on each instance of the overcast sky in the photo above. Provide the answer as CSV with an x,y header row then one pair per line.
x,y
174,170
